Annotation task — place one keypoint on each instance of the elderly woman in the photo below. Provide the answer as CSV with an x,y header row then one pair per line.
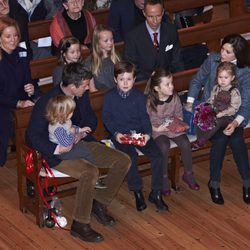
x,y
234,49
72,21
16,87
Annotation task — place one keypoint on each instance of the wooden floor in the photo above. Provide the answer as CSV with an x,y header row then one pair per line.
x,y
193,221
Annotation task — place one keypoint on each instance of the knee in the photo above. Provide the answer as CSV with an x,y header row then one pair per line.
x,y
91,173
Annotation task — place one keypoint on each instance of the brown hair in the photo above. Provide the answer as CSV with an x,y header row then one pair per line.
x,y
154,81
58,108
124,67
64,45
230,68
6,22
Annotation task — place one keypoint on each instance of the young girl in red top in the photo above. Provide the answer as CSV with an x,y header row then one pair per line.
x,y
162,105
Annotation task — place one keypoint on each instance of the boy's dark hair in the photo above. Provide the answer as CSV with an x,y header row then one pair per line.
x,y
124,67
74,73
153,2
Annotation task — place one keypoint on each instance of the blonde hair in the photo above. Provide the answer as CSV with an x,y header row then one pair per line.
x,y
58,108
6,22
97,54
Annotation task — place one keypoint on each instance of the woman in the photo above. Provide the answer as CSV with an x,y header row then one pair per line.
x,y
73,21
234,49
16,87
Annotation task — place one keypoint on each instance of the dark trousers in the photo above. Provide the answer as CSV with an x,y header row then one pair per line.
x,y
239,149
150,150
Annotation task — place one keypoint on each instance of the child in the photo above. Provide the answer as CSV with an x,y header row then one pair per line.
x,y
226,100
69,51
103,57
164,104
124,110
61,131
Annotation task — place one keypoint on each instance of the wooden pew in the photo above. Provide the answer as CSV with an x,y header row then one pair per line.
x,y
211,33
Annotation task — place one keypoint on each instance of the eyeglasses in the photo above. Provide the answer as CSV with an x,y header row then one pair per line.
x,y
74,2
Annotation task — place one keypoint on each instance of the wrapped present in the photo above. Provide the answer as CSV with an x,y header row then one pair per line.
x,y
133,138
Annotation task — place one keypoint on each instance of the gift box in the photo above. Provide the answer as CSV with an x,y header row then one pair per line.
x,y
133,138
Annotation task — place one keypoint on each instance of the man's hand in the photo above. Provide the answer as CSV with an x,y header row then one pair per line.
x,y
24,104
119,137
63,149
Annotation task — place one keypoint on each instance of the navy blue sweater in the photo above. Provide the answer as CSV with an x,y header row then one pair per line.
x,y
125,114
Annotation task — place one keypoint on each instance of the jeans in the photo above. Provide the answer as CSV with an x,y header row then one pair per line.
x,y
239,149
118,164
154,154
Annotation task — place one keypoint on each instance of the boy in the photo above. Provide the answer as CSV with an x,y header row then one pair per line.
x,y
124,110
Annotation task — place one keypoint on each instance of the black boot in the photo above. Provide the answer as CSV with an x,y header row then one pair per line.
x,y
216,195
99,211
156,198
139,200
85,232
246,195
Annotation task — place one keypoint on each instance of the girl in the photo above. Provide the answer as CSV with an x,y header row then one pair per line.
x,y
163,104
101,61
61,131
69,51
226,100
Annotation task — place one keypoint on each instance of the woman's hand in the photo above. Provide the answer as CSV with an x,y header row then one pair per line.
x,y
189,106
29,89
146,138
230,128
219,115
24,104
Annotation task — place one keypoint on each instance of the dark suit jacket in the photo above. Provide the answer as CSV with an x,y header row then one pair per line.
x,y
139,49
124,16
37,135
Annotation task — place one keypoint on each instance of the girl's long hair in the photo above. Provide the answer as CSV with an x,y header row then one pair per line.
x,y
97,54
154,81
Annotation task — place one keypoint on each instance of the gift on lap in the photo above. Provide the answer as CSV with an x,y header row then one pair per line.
x,y
133,138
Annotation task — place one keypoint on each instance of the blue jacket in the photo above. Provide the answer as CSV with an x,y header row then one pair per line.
x,y
206,78
125,114
37,135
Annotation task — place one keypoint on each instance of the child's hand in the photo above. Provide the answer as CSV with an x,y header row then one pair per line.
x,y
85,130
219,115
146,138
189,106
72,130
63,149
161,128
119,137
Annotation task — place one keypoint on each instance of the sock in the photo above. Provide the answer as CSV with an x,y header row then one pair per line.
x,y
246,183
165,183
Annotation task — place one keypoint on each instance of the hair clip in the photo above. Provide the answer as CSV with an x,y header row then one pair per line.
x,y
67,45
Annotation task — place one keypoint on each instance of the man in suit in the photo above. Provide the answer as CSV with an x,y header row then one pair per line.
x,y
153,43
88,201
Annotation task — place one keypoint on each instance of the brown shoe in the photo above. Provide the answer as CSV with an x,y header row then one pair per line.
x,y
99,211
85,232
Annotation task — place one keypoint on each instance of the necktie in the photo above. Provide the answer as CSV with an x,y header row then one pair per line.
x,y
155,40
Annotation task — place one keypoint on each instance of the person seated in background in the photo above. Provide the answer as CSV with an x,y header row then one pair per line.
x,y
27,11
96,4
124,15
153,43
72,21
102,59
17,90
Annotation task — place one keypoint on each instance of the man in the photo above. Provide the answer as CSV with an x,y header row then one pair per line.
x,y
124,15
75,81
153,43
